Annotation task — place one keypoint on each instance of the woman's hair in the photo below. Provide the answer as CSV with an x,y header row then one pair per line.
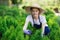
x,y
34,7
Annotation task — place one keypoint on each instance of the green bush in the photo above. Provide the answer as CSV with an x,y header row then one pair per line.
x,y
12,21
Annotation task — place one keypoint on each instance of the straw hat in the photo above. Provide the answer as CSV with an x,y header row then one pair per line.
x,y
28,8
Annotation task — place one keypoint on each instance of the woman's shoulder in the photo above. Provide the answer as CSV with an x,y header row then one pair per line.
x,y
28,17
43,19
42,16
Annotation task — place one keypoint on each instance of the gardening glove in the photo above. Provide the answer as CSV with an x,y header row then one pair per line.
x,y
28,32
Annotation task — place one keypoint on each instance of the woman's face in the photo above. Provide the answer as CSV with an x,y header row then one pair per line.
x,y
35,12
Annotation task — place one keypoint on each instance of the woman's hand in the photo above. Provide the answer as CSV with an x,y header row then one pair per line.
x,y
43,29
27,32
42,34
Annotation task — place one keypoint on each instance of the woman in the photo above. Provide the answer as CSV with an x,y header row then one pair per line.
x,y
36,19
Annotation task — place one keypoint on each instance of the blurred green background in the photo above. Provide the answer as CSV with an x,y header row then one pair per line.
x,y
12,19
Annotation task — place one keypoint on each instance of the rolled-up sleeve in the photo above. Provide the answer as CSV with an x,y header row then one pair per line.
x,y
43,20
44,23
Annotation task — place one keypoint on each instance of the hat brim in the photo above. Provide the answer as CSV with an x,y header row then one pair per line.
x,y
28,9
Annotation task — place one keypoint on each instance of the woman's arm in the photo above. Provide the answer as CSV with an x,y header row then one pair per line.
x,y
44,23
26,24
43,28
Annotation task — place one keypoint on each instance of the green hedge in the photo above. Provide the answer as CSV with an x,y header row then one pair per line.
x,y
12,21
10,24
